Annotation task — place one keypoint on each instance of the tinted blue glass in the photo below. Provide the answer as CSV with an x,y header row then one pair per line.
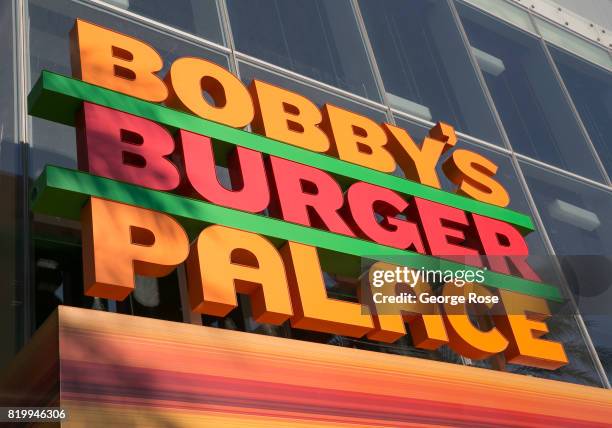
x,y
528,97
317,38
199,17
591,89
425,66
577,219
248,72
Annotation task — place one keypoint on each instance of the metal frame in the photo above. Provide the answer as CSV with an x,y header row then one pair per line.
x,y
153,24
372,60
23,137
479,75
569,18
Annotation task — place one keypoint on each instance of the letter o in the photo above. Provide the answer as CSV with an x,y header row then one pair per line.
x,y
189,78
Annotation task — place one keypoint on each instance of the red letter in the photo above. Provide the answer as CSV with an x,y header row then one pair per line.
x,y
247,173
124,147
444,229
366,201
500,239
307,196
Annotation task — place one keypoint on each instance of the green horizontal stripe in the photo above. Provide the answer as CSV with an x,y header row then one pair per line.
x,y
58,98
63,192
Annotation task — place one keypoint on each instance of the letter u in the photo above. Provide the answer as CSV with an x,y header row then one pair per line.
x,y
249,185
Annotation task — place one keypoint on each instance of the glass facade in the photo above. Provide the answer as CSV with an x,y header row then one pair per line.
x,y
425,67
534,112
577,218
333,52
540,112
591,90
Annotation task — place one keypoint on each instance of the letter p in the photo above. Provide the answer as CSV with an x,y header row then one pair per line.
x,y
120,241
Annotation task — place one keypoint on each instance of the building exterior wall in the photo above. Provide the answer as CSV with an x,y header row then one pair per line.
x,y
531,95
598,11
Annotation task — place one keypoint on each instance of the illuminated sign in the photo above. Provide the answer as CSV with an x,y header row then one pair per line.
x,y
311,190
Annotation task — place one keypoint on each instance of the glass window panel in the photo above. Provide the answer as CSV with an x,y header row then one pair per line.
x,y
508,12
154,298
577,218
58,268
528,97
249,71
199,17
317,38
425,67
573,43
591,90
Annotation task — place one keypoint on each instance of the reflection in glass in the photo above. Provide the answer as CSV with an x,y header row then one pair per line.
x,y
528,97
316,38
425,66
199,17
591,90
155,298
577,219
248,72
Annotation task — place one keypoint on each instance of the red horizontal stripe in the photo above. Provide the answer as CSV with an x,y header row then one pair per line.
x,y
115,383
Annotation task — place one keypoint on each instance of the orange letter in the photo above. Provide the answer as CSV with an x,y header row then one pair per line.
x,y
287,117
419,164
464,338
116,61
188,78
473,173
225,261
524,325
120,241
424,320
357,139
312,308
